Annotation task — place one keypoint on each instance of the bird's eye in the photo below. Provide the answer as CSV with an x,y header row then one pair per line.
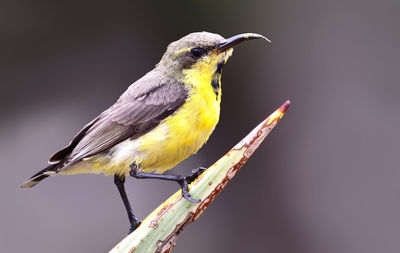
x,y
196,52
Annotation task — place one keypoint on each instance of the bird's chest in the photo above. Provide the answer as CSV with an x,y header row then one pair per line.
x,y
200,114
202,109
183,133
191,126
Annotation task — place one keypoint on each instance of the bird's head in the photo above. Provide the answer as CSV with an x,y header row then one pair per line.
x,y
200,53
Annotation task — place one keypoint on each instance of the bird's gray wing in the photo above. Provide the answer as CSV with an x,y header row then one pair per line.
x,y
63,153
134,114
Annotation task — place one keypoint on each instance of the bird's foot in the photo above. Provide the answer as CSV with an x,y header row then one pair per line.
x,y
186,180
135,223
195,174
183,181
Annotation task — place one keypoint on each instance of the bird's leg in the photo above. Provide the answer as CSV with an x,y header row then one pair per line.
x,y
119,182
183,181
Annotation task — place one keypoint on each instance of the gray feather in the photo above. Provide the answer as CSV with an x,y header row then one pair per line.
x,y
141,108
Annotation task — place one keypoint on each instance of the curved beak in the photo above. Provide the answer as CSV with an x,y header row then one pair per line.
x,y
232,41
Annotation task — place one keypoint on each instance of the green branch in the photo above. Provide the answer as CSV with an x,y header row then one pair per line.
x,y
160,230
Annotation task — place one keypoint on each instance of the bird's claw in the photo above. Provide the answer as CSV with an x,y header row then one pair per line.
x,y
195,174
134,225
189,179
189,198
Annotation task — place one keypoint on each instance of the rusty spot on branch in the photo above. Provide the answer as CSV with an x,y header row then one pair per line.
x,y
154,222
168,244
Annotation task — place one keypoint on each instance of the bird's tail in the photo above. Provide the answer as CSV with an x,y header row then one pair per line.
x,y
35,179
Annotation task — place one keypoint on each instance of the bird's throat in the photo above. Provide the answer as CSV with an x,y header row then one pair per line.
x,y
216,80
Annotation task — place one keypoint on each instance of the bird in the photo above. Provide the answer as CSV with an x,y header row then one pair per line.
x,y
159,121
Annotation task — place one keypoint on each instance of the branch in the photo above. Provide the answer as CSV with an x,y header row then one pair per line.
x,y
160,230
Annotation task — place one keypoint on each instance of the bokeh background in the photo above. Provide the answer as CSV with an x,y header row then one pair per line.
x,y
326,180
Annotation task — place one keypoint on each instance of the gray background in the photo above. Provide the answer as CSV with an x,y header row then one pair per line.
x,y
326,180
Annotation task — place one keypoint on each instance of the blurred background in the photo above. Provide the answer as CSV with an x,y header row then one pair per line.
x,y
326,179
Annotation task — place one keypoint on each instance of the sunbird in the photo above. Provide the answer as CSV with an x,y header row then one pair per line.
x,y
159,121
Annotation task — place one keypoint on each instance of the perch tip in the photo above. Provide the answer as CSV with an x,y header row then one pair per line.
x,y
285,106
